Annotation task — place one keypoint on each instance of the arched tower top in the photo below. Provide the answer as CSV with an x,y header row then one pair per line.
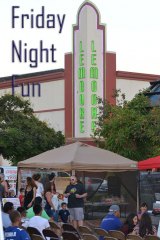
x,y
88,6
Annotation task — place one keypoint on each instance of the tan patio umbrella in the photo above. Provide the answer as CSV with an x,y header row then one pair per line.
x,y
80,157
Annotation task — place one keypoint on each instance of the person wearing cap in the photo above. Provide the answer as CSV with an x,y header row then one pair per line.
x,y
112,220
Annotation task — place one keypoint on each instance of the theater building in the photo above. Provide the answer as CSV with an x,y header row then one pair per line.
x,y
67,98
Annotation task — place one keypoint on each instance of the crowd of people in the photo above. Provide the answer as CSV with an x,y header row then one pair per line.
x,y
67,207
136,223
41,204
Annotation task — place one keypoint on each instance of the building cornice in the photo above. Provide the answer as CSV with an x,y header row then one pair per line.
x,y
137,76
39,77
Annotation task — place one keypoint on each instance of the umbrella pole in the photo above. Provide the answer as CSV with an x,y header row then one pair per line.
x,y
73,172
138,190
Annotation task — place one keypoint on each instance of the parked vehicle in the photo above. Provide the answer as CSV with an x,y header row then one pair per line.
x,y
96,184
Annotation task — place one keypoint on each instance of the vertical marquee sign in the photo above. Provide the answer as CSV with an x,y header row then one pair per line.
x,y
88,69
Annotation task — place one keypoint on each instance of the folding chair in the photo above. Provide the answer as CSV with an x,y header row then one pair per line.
x,y
89,237
84,229
151,237
69,228
47,233
133,237
109,238
101,232
117,234
32,230
22,227
54,225
70,236
36,237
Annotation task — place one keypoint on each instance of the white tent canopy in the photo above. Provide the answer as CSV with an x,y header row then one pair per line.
x,y
80,157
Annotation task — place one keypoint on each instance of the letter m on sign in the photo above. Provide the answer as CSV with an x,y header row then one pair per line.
x,y
81,73
94,72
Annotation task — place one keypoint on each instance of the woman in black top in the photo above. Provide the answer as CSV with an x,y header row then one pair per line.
x,y
30,193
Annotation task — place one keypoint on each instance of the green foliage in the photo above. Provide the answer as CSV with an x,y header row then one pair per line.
x,y
131,129
22,135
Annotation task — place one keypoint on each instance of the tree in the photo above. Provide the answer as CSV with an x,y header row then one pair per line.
x,y
22,135
131,129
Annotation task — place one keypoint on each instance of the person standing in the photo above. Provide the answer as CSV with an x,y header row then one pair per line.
x,y
64,213
21,196
50,207
76,193
51,178
1,190
30,193
40,188
5,185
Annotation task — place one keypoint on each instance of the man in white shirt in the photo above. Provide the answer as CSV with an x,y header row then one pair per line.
x,y
37,221
40,188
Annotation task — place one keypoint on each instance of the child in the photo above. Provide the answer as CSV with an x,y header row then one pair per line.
x,y
61,199
64,213
21,196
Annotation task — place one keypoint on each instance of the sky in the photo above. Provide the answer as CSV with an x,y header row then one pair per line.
x,y
132,31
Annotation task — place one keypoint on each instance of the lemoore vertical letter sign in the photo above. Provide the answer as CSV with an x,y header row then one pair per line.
x,y
89,70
